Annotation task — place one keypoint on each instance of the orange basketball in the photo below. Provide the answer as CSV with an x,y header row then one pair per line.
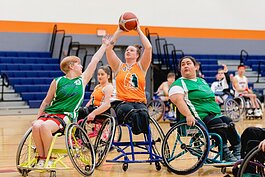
x,y
128,21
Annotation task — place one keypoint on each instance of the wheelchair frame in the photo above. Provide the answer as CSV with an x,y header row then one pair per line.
x,y
129,149
77,148
193,142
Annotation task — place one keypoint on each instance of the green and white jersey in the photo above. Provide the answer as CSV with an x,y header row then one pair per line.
x,y
198,96
68,98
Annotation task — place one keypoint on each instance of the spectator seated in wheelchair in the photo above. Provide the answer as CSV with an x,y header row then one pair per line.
x,y
60,106
240,85
162,93
194,99
220,87
130,80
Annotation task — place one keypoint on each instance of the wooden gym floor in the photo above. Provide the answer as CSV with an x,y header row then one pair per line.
x,y
12,128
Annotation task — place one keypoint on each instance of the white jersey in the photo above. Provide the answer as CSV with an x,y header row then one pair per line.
x,y
219,86
242,83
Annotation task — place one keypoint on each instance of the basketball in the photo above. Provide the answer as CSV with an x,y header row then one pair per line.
x,y
128,21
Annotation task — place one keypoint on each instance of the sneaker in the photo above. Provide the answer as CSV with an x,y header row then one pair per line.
x,y
170,114
227,155
40,163
249,112
257,112
237,151
50,163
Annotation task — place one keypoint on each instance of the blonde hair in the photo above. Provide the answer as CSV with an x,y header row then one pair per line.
x,y
64,65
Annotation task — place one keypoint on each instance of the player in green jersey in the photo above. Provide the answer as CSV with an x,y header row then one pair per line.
x,y
62,102
195,99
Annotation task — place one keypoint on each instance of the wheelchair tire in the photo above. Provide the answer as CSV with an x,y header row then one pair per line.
x,y
158,136
104,139
185,148
22,152
80,150
156,109
232,110
250,165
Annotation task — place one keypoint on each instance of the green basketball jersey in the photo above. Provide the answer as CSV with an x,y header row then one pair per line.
x,y
199,97
68,97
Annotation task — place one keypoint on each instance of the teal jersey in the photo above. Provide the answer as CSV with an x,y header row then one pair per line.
x,y
199,97
68,97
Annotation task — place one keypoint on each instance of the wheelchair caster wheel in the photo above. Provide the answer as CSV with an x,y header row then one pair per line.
x,y
53,174
158,166
125,166
25,173
223,170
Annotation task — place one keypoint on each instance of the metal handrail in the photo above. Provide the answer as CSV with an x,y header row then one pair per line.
x,y
166,52
243,56
53,39
158,49
259,70
5,83
175,59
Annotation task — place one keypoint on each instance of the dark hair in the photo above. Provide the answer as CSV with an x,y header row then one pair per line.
x,y
189,57
107,69
138,51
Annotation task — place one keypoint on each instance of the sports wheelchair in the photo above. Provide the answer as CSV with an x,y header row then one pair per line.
x,y
253,164
149,147
101,132
78,147
238,107
187,148
157,109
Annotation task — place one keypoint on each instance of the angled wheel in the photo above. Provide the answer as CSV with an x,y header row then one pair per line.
x,y
253,164
26,152
104,139
156,109
232,109
185,148
80,150
158,136
241,105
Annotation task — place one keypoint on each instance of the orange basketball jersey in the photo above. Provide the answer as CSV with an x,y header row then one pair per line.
x,y
130,84
97,96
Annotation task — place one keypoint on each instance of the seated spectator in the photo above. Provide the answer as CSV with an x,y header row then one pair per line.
x,y
221,86
240,85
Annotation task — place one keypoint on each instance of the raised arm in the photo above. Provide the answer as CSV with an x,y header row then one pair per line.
x,y
146,57
88,73
112,58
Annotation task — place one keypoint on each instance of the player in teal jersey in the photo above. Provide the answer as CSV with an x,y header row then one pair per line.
x,y
195,99
63,99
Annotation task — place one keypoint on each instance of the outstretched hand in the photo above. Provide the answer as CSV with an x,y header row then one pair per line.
x,y
262,145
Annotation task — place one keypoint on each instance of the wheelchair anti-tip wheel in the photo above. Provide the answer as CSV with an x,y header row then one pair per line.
x,y
185,148
156,109
80,150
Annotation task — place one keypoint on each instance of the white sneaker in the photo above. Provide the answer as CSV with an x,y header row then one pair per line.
x,y
50,163
257,112
249,112
40,163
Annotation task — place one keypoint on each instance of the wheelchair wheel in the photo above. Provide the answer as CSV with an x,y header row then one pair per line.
x,y
241,105
80,150
232,109
104,139
156,109
185,148
158,135
26,153
253,164
118,134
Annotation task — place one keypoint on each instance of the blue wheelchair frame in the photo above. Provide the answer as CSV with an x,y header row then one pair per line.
x,y
146,146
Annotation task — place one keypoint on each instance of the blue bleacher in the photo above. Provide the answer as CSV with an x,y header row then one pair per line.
x,y
31,73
